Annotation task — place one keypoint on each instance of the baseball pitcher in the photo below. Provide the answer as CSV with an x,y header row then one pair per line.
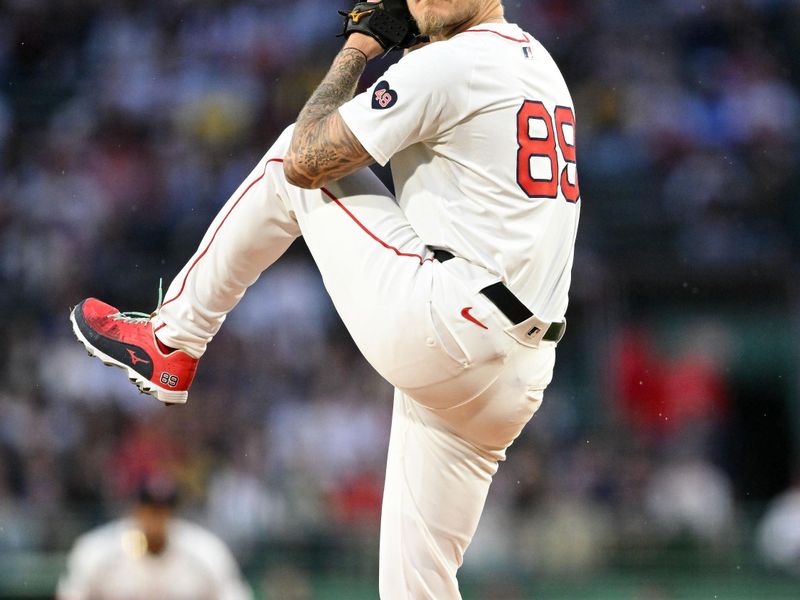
x,y
455,291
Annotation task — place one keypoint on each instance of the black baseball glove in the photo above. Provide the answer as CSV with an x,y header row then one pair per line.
x,y
388,21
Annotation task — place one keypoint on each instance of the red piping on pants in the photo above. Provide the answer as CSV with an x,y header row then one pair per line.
x,y
326,192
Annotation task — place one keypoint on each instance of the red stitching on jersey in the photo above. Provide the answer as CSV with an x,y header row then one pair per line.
x,y
523,41
325,190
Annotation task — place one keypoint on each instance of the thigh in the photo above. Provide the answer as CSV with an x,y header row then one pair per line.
x,y
495,418
376,269
380,276
403,309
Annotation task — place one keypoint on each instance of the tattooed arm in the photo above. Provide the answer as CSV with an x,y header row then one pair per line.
x,y
323,148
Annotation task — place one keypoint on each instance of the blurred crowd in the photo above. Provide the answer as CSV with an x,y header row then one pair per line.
x,y
125,125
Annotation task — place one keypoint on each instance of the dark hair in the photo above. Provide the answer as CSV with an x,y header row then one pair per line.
x,y
158,490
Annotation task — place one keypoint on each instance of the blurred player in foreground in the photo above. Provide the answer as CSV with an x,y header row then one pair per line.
x,y
455,292
151,554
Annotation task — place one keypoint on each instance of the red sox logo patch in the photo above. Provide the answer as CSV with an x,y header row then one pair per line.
x,y
384,96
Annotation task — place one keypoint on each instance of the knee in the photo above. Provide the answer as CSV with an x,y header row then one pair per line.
x,y
281,146
281,150
295,175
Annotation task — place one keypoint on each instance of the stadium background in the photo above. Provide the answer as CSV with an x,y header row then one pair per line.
x,y
671,427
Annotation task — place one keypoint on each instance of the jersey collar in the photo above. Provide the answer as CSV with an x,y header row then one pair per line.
x,y
507,31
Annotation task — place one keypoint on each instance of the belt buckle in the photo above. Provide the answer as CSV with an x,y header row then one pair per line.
x,y
529,332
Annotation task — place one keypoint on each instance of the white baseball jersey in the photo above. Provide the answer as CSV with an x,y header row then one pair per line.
x,y
110,563
480,130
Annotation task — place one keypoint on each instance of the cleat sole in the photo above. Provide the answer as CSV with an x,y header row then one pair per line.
x,y
145,386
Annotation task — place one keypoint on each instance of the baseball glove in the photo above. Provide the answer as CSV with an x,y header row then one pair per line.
x,y
388,21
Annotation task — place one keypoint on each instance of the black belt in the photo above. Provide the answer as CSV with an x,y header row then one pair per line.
x,y
511,306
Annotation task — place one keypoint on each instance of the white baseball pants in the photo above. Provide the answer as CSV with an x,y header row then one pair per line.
x,y
464,387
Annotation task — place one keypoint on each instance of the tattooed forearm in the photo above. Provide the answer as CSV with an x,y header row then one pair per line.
x,y
337,88
323,148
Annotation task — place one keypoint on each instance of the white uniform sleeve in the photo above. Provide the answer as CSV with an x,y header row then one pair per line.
x,y
231,585
83,564
218,560
418,99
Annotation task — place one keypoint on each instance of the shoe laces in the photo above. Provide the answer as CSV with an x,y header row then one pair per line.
x,y
140,317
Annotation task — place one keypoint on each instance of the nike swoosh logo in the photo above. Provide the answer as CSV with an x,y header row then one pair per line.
x,y
135,359
466,314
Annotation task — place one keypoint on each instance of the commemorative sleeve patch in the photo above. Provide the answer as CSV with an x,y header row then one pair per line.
x,y
384,96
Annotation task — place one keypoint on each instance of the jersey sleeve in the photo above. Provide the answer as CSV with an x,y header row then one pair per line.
x,y
218,560
84,562
418,99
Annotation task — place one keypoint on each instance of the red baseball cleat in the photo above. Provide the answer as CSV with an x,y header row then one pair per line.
x,y
127,340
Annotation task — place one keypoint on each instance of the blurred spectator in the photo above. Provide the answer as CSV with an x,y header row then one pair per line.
x,y
778,536
691,498
568,537
239,506
151,554
661,395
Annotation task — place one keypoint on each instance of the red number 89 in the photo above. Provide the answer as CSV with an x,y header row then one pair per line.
x,y
530,147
